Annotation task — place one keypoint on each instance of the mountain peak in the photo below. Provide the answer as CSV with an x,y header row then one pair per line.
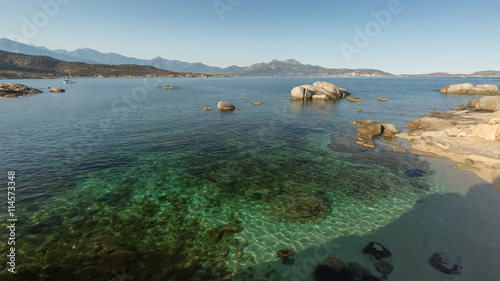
x,y
292,61
288,61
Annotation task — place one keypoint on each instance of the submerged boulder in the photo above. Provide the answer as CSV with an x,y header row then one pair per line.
x,y
14,90
298,205
468,88
318,91
446,263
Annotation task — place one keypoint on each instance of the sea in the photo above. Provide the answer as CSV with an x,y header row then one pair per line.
x,y
118,179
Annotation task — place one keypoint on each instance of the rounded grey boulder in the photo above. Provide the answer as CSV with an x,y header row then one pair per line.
x,y
224,105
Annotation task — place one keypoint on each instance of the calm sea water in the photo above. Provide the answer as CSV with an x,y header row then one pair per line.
x,y
117,178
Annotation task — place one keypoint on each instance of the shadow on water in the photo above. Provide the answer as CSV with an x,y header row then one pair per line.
x,y
314,105
462,225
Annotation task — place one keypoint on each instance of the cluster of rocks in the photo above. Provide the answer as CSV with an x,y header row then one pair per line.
x,y
334,269
14,90
367,130
470,89
318,91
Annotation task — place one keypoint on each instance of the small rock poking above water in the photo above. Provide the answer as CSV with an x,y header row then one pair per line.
x,y
56,90
168,87
14,90
377,250
318,91
382,99
448,264
468,88
354,99
257,102
224,105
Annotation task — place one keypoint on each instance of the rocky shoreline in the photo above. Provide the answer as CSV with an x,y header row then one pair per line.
x,y
469,137
14,90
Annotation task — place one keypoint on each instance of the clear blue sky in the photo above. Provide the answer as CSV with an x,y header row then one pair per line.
x,y
422,35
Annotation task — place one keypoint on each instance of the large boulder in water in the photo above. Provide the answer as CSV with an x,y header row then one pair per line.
x,y
14,90
319,90
468,88
224,105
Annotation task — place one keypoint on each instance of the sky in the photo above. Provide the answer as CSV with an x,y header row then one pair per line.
x,y
397,36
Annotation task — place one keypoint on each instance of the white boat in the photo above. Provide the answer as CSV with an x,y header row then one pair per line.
x,y
68,80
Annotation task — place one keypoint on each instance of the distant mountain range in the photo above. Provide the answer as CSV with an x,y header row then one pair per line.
x,y
15,65
289,67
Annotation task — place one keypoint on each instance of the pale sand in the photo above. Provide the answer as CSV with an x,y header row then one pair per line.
x,y
433,141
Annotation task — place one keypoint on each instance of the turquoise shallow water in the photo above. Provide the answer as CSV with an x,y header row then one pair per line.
x,y
117,175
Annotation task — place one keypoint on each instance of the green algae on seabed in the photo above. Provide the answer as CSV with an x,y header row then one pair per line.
x,y
155,218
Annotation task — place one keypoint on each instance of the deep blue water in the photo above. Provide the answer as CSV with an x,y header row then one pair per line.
x,y
118,173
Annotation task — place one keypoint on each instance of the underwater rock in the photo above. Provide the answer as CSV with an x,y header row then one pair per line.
x,y
287,260
215,234
335,264
238,253
232,228
384,267
448,264
298,205
359,272
377,250
286,253
324,273
414,173
112,257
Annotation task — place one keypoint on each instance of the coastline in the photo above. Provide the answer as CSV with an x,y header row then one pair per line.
x,y
463,137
